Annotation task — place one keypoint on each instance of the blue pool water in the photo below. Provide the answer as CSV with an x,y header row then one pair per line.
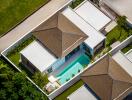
x,y
73,68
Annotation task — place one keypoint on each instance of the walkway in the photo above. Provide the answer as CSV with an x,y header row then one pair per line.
x,y
32,22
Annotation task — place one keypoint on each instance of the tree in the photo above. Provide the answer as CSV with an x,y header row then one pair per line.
x,y
2,70
40,79
16,86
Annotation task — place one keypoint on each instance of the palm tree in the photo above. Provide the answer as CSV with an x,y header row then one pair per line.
x,y
41,79
3,71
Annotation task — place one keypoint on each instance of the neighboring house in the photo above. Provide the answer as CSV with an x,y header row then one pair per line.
x,y
106,80
121,7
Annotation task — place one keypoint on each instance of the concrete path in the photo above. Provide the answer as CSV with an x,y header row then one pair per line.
x,y
32,22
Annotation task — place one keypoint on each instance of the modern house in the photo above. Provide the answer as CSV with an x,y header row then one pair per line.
x,y
65,44
121,7
105,80
59,49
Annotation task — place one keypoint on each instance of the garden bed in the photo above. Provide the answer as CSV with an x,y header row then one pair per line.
x,y
14,55
116,35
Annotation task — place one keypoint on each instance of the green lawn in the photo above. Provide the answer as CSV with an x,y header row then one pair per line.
x,y
13,12
63,96
14,55
75,3
127,48
114,35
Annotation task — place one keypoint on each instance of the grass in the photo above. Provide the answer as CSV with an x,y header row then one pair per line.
x,y
127,48
69,91
13,12
14,55
75,3
114,35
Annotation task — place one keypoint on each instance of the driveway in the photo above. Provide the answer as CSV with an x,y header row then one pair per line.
x,y
32,22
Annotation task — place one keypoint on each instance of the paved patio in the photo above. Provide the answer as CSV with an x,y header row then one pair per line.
x,y
32,22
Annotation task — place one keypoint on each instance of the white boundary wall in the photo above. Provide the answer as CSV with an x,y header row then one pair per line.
x,y
121,45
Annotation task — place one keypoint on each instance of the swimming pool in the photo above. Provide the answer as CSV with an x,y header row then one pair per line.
x,y
73,68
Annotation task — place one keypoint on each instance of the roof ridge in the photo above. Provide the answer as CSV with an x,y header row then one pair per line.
x,y
44,29
111,90
108,64
73,33
94,75
121,81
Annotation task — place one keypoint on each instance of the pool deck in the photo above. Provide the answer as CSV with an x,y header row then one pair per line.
x,y
54,73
